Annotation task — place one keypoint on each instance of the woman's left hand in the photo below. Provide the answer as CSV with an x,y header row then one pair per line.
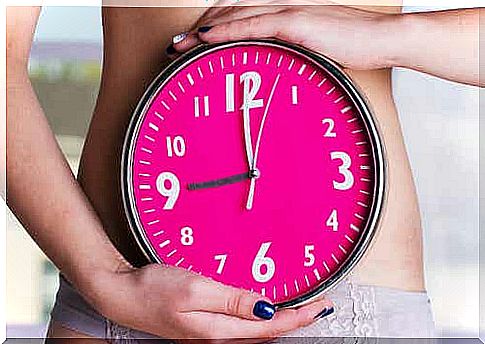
x,y
355,38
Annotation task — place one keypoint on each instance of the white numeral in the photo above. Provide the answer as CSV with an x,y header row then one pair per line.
x,y
187,236
331,125
197,106
261,260
172,192
309,256
252,83
177,146
332,220
222,261
343,170
230,93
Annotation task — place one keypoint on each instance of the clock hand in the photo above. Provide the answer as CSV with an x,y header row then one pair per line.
x,y
221,182
249,204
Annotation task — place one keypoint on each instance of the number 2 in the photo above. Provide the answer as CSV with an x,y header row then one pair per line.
x,y
331,125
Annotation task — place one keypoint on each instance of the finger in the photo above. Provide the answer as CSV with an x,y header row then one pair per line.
x,y
238,13
217,326
263,26
190,41
211,296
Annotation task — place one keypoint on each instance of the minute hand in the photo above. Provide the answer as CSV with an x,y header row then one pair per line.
x,y
249,204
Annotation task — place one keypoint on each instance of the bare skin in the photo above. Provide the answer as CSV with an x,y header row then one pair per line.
x,y
135,41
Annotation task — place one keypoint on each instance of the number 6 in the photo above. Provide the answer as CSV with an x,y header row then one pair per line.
x,y
259,261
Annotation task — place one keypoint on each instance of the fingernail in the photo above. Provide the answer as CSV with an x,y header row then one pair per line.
x,y
171,50
324,313
179,38
204,28
264,310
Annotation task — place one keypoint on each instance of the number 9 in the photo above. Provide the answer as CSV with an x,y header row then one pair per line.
x,y
172,192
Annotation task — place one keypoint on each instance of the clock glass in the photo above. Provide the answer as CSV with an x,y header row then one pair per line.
x,y
257,164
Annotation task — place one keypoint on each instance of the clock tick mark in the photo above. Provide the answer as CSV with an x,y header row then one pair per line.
x,y
338,99
317,274
349,239
222,62
153,126
179,262
146,150
292,63
171,253
148,211
263,291
256,60
200,73
352,120
330,90
354,228
357,131
145,187
144,174
365,180
312,75
143,162
280,60
181,87
233,59
360,217
146,199
153,222
297,287
326,267
364,167
363,155
163,244
362,204
158,233
302,69
346,109
172,95
189,268
190,78
165,105
274,292
335,259
361,143
285,288
268,58
159,115
322,82
307,281
245,58
342,249
211,67
149,138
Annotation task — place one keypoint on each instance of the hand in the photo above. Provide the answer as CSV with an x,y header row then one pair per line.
x,y
174,303
355,38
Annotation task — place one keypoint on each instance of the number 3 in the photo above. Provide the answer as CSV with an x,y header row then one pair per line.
x,y
343,170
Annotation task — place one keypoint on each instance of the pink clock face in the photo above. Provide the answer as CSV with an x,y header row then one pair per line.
x,y
257,165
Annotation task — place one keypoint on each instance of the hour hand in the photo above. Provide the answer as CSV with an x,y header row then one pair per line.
x,y
220,182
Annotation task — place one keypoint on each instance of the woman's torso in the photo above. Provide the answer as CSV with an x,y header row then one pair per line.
x,y
134,53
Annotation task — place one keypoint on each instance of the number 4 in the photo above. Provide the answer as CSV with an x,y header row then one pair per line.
x,y
332,220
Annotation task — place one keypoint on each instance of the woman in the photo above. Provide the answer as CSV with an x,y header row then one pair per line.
x,y
385,296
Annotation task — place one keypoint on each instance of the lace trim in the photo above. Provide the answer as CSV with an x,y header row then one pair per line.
x,y
117,334
363,301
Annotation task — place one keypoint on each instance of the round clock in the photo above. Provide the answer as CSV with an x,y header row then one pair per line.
x,y
257,164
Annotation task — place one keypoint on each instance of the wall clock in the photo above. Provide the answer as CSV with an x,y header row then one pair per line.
x,y
258,164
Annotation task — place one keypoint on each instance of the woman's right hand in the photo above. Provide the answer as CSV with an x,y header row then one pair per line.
x,y
173,303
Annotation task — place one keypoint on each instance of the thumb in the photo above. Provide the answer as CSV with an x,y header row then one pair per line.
x,y
218,298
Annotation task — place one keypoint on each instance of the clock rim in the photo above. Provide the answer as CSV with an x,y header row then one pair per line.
x,y
338,75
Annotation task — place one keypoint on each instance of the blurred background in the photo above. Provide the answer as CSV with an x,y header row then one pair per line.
x,y
441,127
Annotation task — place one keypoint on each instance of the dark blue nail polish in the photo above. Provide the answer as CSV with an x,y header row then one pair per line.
x,y
264,310
324,313
171,50
204,28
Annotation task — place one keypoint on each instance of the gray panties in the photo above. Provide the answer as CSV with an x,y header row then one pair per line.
x,y
361,311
